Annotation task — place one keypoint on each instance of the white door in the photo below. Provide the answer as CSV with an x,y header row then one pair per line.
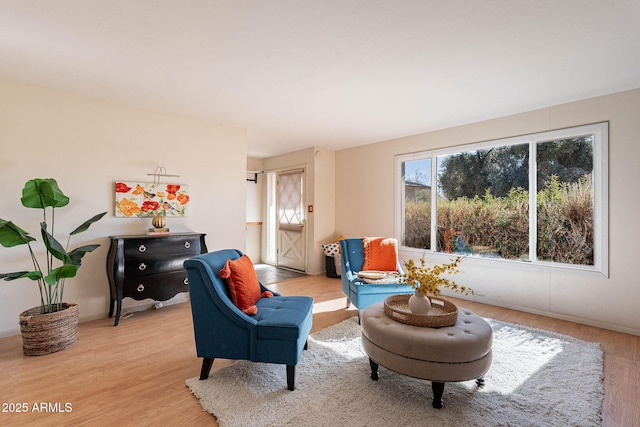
x,y
291,220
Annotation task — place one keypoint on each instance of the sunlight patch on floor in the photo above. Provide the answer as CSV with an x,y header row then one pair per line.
x,y
534,352
331,305
348,349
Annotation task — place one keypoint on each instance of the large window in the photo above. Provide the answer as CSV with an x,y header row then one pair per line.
x,y
539,198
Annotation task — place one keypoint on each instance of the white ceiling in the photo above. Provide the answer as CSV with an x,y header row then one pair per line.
x,y
332,73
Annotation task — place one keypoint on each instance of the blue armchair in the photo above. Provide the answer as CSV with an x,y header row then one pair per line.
x,y
359,293
276,334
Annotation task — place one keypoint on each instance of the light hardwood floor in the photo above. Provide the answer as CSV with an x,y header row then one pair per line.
x,y
134,374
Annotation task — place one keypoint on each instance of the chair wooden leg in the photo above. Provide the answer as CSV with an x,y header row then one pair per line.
x,y
291,377
206,368
348,303
306,344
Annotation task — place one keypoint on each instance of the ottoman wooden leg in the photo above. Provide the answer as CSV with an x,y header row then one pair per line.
x,y
480,382
374,370
438,390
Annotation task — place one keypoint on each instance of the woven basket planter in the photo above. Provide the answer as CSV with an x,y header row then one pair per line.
x,y
47,333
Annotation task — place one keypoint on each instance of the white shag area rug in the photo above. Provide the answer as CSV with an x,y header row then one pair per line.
x,y
537,378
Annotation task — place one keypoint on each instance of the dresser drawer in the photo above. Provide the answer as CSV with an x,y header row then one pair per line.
x,y
159,247
159,287
144,266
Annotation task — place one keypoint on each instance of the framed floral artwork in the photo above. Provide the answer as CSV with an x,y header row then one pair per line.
x,y
136,200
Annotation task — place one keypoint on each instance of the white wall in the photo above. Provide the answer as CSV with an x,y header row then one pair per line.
x,y
87,144
365,207
254,219
324,204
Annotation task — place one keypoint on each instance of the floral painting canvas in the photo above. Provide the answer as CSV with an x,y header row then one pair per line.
x,y
150,199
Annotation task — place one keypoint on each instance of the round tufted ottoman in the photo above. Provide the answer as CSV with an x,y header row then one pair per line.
x,y
460,352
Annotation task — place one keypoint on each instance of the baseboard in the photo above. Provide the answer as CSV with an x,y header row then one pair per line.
x,y
559,316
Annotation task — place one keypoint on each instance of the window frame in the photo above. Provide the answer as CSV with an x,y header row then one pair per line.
x,y
600,132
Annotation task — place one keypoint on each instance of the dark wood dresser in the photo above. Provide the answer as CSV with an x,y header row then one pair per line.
x,y
146,266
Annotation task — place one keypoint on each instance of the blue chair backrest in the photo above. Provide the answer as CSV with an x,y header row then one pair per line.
x,y
210,264
354,259
221,329
352,252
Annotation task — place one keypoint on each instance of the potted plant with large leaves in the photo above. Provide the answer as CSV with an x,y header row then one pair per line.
x,y
53,325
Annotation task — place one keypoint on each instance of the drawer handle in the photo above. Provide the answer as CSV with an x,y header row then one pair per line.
x,y
186,281
142,248
142,266
187,245
140,287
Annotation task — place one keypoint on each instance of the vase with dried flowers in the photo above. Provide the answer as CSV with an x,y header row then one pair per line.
x,y
427,282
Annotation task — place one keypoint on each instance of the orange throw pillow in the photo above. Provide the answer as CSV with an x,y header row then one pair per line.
x,y
380,253
243,284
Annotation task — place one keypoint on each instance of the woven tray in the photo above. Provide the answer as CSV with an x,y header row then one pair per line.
x,y
442,313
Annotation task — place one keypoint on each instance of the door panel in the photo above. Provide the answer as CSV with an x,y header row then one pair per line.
x,y
291,220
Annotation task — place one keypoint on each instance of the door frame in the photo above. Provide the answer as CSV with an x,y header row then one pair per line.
x,y
271,210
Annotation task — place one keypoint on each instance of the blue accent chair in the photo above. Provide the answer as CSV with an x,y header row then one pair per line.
x,y
359,293
276,334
